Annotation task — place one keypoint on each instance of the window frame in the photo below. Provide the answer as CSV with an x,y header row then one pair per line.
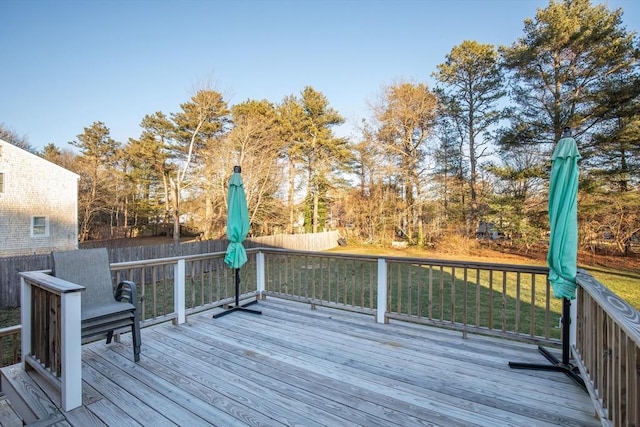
x,y
44,227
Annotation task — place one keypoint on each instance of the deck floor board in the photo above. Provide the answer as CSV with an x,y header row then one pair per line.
x,y
325,367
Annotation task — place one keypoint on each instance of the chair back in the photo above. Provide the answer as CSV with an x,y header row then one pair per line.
x,y
88,268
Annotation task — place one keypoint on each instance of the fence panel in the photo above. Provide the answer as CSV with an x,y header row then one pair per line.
x,y
10,280
10,267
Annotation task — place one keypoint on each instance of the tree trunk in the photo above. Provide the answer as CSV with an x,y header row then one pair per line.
x,y
473,212
208,217
290,196
175,200
315,219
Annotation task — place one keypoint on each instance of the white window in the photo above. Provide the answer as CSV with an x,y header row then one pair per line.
x,y
39,226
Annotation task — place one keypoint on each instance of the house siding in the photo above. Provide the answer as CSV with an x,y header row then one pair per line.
x,y
34,186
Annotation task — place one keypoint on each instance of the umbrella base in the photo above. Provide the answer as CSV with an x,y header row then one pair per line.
x,y
556,366
238,308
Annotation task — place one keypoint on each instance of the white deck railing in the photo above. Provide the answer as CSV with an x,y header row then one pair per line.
x,y
505,300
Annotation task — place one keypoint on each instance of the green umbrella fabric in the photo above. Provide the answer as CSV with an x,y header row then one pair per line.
x,y
237,221
563,219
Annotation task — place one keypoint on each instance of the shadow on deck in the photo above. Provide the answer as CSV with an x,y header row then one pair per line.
x,y
297,366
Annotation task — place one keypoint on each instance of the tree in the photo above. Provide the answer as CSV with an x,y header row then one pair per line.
x,y
12,137
61,157
448,175
195,127
310,146
612,215
406,115
97,153
577,66
290,117
518,207
148,172
153,147
319,150
255,145
562,69
369,211
471,81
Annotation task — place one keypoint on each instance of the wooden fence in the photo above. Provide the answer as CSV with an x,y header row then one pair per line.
x,y
11,266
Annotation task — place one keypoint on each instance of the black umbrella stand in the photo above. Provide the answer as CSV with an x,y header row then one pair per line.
x,y
563,365
237,306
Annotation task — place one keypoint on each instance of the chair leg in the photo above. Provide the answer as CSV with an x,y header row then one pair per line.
x,y
135,334
109,337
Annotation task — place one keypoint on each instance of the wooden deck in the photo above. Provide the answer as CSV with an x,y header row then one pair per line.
x,y
324,367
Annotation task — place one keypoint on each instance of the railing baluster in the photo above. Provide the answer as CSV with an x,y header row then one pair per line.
x,y
465,301
504,301
491,296
409,289
453,295
478,297
430,292
441,318
532,310
547,321
517,319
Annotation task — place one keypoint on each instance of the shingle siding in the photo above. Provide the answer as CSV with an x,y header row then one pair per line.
x,y
36,187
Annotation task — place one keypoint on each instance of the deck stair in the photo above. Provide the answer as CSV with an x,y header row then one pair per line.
x,y
36,402
25,391
8,416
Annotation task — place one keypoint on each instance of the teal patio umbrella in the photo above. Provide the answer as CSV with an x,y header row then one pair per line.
x,y
563,249
237,221
237,230
563,218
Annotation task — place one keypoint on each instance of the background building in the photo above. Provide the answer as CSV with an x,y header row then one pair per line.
x,y
38,204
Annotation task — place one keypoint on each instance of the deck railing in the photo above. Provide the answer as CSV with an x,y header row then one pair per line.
x,y
51,342
607,349
503,300
340,280
205,282
9,345
510,301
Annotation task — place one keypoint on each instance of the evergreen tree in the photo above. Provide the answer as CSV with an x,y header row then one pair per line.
x,y
472,85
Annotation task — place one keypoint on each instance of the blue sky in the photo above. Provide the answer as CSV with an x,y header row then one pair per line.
x,y
65,64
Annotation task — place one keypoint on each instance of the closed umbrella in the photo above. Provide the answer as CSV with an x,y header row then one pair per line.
x,y
563,218
237,221
563,248
237,230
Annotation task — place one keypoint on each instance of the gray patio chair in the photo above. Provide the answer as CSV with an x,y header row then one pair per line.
x,y
103,310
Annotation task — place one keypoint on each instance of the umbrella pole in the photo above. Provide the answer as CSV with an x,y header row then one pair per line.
x,y
237,305
237,270
563,365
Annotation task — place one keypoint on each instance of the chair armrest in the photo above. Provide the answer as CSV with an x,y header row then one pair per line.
x,y
126,291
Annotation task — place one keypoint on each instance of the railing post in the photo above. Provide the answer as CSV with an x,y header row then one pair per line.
x,y
573,326
25,319
381,309
179,286
71,350
260,273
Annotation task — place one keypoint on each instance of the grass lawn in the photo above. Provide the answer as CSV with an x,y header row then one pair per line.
x,y
620,274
